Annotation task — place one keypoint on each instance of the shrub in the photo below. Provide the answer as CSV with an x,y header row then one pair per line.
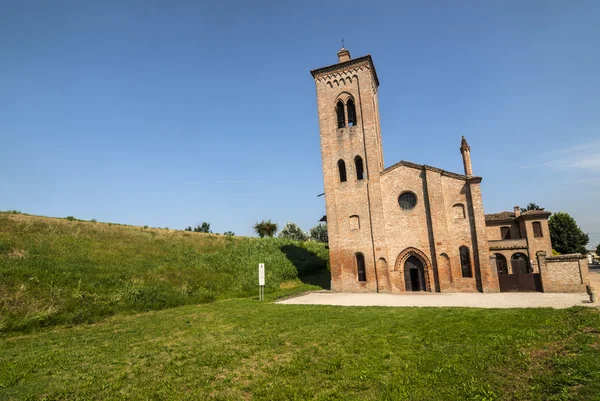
x,y
70,218
229,233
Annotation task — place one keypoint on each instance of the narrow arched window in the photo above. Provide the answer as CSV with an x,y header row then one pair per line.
x,y
351,113
341,116
342,170
501,264
465,262
360,171
360,267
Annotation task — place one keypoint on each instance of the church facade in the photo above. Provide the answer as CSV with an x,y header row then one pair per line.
x,y
407,227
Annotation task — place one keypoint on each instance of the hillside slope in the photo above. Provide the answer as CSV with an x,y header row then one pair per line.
x,y
56,271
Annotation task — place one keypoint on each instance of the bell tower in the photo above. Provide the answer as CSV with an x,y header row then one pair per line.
x,y
352,160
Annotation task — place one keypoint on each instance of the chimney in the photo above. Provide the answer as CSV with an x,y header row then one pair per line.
x,y
517,211
343,55
465,150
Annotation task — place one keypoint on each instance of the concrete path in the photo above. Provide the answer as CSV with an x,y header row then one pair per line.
x,y
473,300
595,276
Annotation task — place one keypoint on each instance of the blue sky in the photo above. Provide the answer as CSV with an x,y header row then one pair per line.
x,y
173,113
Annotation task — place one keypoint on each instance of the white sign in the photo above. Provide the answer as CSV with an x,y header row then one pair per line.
x,y
261,274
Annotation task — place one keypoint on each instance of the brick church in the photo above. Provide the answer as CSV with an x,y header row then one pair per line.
x,y
413,227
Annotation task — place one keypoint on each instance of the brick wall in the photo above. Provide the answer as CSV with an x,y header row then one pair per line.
x,y
564,273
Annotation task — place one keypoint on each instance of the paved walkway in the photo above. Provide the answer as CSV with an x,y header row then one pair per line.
x,y
595,276
474,300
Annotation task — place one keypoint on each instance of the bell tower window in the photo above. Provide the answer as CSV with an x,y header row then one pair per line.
x,y
341,115
342,170
360,172
351,113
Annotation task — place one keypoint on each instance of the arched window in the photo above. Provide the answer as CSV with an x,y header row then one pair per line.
x,y
341,116
360,267
360,172
351,113
342,169
465,262
501,264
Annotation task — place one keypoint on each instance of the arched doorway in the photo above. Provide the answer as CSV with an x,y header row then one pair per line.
x,y
414,275
520,263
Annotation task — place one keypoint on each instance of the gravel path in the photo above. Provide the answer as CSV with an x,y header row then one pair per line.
x,y
474,300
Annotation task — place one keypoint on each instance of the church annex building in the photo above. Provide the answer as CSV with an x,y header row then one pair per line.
x,y
412,227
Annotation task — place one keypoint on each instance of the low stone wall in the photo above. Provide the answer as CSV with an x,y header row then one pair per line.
x,y
564,273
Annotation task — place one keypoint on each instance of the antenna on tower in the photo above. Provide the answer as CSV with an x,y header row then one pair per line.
x,y
342,43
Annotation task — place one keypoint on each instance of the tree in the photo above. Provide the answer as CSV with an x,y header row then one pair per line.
x,y
598,250
531,206
200,228
265,228
292,231
204,228
566,236
319,233
229,233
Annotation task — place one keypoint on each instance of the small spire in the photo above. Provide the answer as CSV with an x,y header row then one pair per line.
x,y
465,150
464,145
342,43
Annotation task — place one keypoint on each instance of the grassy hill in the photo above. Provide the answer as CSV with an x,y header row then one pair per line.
x,y
56,271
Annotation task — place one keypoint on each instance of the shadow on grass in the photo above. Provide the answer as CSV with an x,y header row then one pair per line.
x,y
312,269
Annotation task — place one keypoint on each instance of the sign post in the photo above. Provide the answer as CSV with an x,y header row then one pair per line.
x,y
261,281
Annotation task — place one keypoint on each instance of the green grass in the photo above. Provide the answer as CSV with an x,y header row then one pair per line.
x,y
246,350
68,271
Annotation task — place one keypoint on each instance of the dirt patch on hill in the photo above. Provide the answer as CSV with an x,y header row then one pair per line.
x,y
17,253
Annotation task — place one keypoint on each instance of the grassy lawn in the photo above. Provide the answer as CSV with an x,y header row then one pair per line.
x,y
64,271
243,349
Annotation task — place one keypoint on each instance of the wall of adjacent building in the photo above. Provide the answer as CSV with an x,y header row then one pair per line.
x,y
564,273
